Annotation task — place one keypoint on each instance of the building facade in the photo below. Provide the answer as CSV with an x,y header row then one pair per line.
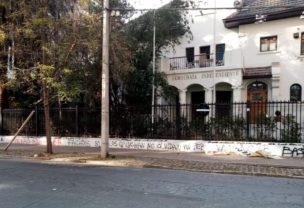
x,y
252,54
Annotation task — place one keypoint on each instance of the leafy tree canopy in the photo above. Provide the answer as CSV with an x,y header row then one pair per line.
x,y
171,25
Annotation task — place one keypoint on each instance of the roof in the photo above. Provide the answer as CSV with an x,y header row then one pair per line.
x,y
258,72
274,9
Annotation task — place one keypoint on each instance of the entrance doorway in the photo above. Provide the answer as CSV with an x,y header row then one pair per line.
x,y
257,94
197,97
223,103
223,96
223,100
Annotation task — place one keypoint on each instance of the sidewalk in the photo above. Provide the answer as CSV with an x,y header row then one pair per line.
x,y
291,167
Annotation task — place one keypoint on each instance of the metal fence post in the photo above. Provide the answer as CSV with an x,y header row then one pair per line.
x,y
248,121
76,120
178,120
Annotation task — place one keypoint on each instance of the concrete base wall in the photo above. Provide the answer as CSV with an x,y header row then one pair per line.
x,y
252,149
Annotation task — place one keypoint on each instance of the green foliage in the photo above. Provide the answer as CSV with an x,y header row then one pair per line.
x,y
227,127
2,36
48,39
266,126
291,131
170,26
57,44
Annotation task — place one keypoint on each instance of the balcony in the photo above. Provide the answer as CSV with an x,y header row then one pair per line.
x,y
197,61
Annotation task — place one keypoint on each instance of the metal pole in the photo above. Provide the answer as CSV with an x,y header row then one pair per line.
x,y
248,119
104,144
77,121
214,52
20,129
153,80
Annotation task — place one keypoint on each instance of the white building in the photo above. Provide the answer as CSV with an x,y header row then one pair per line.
x,y
254,54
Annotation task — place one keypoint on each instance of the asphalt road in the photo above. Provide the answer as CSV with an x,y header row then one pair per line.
x,y
35,185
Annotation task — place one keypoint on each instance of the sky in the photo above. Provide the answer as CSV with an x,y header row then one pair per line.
x,y
153,4
143,4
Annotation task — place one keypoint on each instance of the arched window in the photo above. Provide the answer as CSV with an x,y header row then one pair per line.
x,y
295,93
257,92
257,85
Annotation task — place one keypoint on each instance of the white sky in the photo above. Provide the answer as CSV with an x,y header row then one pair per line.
x,y
153,4
143,4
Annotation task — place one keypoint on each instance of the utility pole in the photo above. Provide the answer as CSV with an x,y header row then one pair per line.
x,y
104,144
214,56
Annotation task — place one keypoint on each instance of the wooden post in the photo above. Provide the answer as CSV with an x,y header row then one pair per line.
x,y
20,129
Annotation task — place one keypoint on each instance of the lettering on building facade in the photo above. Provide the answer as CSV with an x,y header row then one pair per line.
x,y
206,75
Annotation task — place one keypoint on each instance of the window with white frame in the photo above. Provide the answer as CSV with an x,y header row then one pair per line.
x,y
269,43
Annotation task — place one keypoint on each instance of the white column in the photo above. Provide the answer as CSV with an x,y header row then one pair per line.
x,y
237,94
183,96
237,98
183,101
208,99
208,95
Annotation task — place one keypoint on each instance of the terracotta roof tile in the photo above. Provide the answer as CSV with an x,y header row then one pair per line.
x,y
258,72
266,7
274,9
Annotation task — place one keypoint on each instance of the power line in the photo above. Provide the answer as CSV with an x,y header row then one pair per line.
x,y
205,8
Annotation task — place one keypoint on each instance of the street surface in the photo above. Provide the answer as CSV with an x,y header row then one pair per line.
x,y
26,184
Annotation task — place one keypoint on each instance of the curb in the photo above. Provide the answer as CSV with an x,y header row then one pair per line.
x,y
224,172
147,162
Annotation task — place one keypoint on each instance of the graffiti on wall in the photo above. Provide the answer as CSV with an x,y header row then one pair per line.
x,y
241,149
251,149
160,145
293,151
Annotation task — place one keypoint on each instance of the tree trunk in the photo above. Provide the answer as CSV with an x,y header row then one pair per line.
x,y
47,120
1,96
60,130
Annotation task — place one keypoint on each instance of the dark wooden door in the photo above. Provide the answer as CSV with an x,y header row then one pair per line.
x,y
257,96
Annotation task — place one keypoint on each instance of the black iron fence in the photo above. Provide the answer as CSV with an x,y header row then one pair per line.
x,y
269,122
196,61
65,122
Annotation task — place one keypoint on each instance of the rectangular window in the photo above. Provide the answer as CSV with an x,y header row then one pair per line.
x,y
190,57
302,44
204,58
190,54
205,50
220,54
268,44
